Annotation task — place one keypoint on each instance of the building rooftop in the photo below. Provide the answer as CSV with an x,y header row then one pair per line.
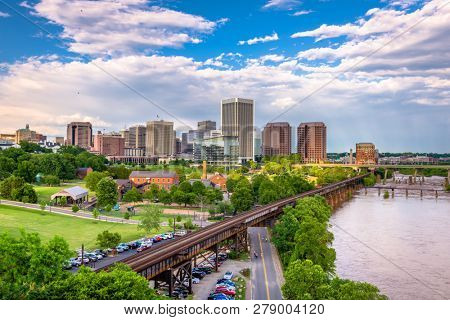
x,y
74,192
153,174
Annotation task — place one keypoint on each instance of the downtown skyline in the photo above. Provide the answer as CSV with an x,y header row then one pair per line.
x,y
397,98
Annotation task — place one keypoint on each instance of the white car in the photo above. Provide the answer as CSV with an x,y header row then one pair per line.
x,y
228,275
99,256
180,233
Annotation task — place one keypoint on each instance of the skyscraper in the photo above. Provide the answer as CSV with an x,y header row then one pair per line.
x,y
79,134
206,125
160,138
237,118
277,139
137,137
312,142
109,144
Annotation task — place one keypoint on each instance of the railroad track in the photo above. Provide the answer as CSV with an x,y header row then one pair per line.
x,y
141,261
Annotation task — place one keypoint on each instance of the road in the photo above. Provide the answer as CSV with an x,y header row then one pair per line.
x,y
266,274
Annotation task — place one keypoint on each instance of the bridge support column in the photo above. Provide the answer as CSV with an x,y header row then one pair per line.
x,y
379,191
240,241
183,275
216,259
421,193
415,176
393,192
165,280
436,193
406,192
385,175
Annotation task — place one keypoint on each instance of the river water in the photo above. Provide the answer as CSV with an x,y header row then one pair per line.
x,y
402,245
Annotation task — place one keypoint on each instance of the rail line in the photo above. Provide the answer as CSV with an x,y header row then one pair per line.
x,y
140,262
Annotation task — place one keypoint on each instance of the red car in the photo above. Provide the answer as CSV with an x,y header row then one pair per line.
x,y
226,291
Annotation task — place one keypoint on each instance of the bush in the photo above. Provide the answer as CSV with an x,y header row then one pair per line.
x,y
75,208
126,215
188,225
108,208
386,194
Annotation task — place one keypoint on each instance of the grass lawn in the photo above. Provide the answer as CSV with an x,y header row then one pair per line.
x,y
45,192
75,230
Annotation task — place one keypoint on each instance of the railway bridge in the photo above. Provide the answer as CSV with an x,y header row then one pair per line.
x,y
171,264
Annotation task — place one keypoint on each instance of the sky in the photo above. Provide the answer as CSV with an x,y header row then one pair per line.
x,y
373,71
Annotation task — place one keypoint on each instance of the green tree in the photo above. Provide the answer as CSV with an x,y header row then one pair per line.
x,y
242,198
342,289
152,193
178,197
95,213
305,281
132,195
93,178
164,196
27,170
267,192
75,208
119,283
198,188
185,187
150,218
63,201
9,184
107,239
27,264
42,205
107,193
284,234
51,180
178,218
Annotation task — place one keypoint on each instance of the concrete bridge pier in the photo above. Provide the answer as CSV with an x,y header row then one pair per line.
x,y
379,191
406,193
421,193
393,192
415,176
436,193
385,175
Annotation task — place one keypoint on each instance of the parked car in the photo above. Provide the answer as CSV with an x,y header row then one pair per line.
x,y
100,252
169,235
92,257
75,262
85,260
180,233
198,275
67,265
218,296
227,291
227,282
120,249
228,275
206,270
124,246
142,248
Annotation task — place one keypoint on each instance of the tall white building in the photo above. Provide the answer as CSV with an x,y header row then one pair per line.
x,y
160,138
237,119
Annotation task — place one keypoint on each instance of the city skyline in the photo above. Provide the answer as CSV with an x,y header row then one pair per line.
x,y
275,52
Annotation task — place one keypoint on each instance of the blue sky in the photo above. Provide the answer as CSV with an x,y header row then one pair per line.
x,y
187,55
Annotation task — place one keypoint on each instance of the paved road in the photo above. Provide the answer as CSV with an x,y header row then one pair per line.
x,y
265,273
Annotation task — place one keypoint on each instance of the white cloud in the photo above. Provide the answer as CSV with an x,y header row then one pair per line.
x,y
302,13
273,37
282,4
108,27
4,14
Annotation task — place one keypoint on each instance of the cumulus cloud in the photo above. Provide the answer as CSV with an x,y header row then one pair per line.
x,y
273,37
108,27
4,14
281,4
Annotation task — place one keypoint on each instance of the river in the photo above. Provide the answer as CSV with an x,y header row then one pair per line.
x,y
401,245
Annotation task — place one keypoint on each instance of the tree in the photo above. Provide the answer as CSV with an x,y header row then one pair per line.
x,y
75,208
27,264
178,218
188,225
242,198
342,289
119,283
267,192
284,234
63,201
185,187
9,184
152,193
132,195
150,218
198,188
93,178
107,193
305,281
178,197
95,213
312,241
42,205
164,196
51,180
108,239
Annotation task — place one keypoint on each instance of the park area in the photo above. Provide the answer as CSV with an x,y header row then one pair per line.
x,y
45,192
74,230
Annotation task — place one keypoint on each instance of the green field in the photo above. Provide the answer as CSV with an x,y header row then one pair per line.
x,y
44,192
75,230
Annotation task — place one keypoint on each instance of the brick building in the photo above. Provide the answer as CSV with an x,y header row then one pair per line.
x,y
163,179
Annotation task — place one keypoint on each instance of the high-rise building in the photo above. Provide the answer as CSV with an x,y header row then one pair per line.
x,y
186,145
312,142
366,153
177,145
257,145
125,134
26,134
220,150
79,134
137,137
109,144
277,139
237,118
159,138
59,140
206,125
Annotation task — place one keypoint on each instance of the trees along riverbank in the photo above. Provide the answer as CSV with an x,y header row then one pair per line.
x,y
304,243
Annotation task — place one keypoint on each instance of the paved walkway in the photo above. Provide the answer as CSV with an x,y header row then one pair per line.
x,y
80,214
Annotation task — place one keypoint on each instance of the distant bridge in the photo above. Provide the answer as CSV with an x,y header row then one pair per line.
x,y
374,166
